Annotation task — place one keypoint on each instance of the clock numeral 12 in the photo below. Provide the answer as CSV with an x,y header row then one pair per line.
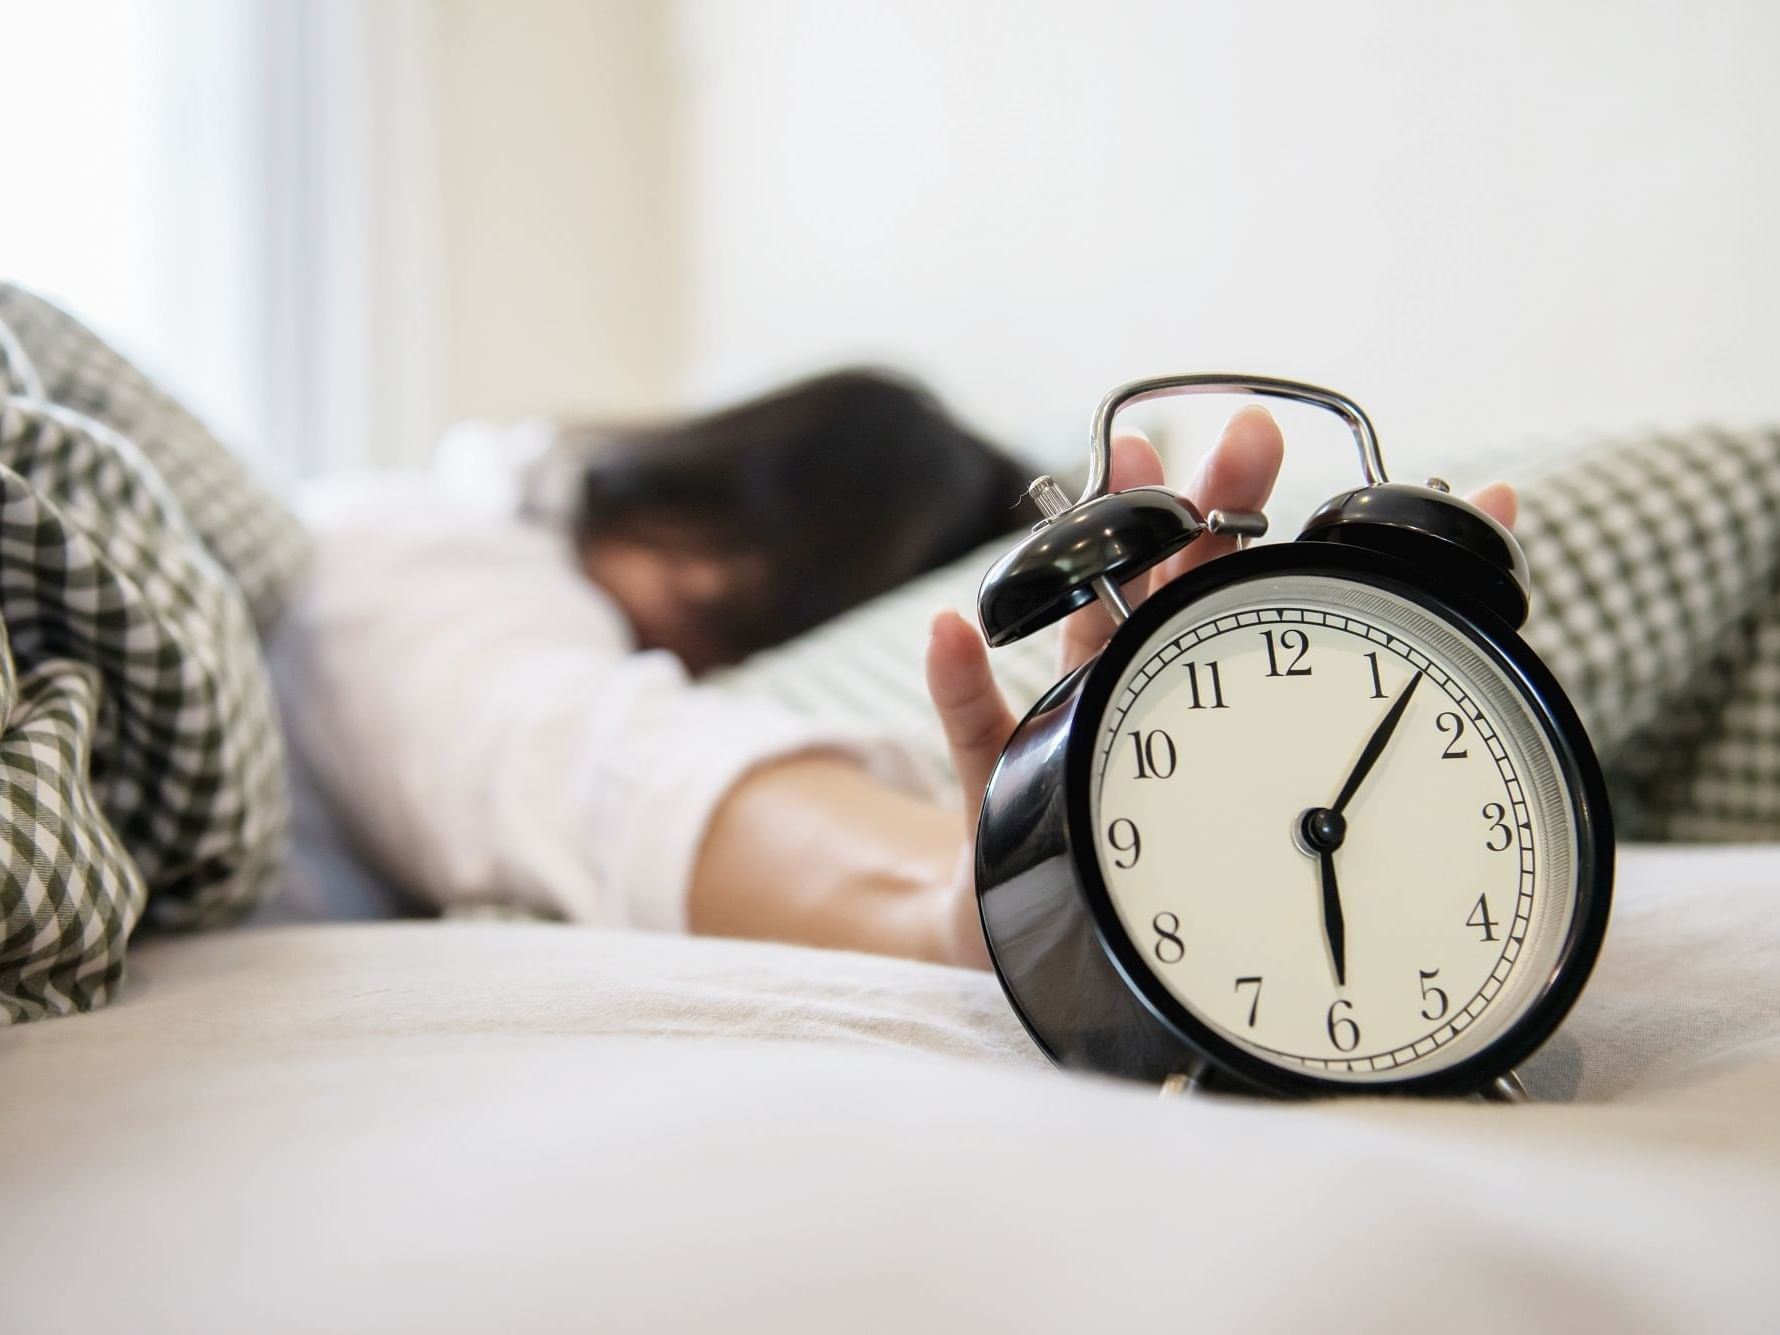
x,y
1217,687
1289,640
1155,753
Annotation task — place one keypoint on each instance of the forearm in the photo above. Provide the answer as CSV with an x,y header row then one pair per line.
x,y
814,850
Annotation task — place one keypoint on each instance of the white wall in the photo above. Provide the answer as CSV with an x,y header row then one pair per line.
x,y
1487,222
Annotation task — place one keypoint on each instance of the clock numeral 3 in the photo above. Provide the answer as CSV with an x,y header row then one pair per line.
x,y
1254,1002
1493,813
1155,753
1430,993
1215,683
1455,724
1170,949
1343,1032
1480,917
1289,640
1132,843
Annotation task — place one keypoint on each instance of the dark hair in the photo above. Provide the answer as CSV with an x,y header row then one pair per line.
x,y
843,486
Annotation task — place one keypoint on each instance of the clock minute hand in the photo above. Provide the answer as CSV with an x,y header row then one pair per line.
x,y
1334,925
1375,745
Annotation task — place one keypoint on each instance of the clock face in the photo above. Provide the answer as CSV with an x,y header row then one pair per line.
x,y
1333,827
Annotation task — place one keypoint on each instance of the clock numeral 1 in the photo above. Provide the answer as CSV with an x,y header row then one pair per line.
x,y
1480,917
1216,683
1132,843
1289,640
1343,1032
1377,685
1254,1002
1155,753
1430,993
1493,812
1169,948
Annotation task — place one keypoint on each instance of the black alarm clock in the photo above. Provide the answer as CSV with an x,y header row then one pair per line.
x,y
1316,820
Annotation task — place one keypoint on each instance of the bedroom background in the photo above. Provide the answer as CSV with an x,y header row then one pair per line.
x,y
336,227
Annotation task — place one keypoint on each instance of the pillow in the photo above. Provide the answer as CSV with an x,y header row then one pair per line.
x,y
1656,601
141,775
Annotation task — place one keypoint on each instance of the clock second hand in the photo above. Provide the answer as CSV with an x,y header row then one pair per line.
x,y
1324,829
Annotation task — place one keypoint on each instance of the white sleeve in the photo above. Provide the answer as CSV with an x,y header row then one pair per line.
x,y
476,712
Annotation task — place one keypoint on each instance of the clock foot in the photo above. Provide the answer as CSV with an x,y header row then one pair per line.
x,y
1183,1083
1506,1089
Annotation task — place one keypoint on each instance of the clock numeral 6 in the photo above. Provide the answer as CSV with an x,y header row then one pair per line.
x,y
1430,993
1131,842
1343,1032
1169,948
1155,753
1493,812
1455,724
1290,641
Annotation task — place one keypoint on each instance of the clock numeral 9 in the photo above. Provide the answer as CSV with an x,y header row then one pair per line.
x,y
1213,680
1493,812
1169,948
1455,724
1131,843
1155,753
1480,917
1289,640
1343,1032
1430,993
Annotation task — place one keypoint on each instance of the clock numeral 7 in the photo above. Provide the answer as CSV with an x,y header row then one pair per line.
x,y
1215,682
1254,1002
1289,640
1169,948
1155,753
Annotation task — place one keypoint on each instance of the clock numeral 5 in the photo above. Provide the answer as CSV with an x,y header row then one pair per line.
x,y
1343,1032
1430,993
1132,843
1155,753
1289,640
1254,1002
1169,948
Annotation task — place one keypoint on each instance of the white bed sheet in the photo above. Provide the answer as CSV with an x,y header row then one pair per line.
x,y
444,1127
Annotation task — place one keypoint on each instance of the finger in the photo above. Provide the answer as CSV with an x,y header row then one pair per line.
x,y
976,720
1238,474
1135,463
1499,502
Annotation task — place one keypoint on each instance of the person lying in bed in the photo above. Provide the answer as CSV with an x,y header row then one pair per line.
x,y
504,715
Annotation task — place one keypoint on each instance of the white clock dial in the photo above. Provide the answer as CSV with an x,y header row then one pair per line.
x,y
1397,938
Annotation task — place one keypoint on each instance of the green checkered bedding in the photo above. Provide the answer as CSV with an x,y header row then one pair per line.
x,y
1656,572
141,774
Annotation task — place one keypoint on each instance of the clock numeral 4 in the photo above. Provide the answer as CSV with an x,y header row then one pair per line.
x,y
1455,724
1254,1002
1155,753
1343,1032
1131,843
1214,684
1480,917
1432,996
1169,948
1291,641
1494,812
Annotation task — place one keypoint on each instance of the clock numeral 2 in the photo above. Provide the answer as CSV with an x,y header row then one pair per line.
x,y
1216,682
1288,640
1457,728
1343,1032
1155,753
1170,949
1480,917
1254,1002
1430,993
1133,844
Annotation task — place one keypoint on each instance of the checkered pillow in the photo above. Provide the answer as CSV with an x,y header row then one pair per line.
x,y
141,773
1656,574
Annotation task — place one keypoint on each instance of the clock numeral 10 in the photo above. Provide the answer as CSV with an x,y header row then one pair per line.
x,y
1131,842
1170,949
1155,753
1480,917
1215,682
1291,641
1343,1032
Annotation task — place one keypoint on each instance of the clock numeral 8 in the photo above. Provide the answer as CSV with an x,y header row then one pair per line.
x,y
1170,949
1132,843
1343,1032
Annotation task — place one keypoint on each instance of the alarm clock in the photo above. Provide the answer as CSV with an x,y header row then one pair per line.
x,y
1316,820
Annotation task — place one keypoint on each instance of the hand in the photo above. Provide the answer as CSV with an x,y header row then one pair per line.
x,y
1238,474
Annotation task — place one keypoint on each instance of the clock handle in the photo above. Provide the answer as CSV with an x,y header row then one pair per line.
x,y
1169,386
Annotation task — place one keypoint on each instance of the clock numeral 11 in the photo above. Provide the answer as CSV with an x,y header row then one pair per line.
x,y
1215,682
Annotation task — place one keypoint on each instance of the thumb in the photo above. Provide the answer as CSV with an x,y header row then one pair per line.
x,y
975,717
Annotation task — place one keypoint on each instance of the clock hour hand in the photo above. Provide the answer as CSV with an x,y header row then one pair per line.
x,y
1375,746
